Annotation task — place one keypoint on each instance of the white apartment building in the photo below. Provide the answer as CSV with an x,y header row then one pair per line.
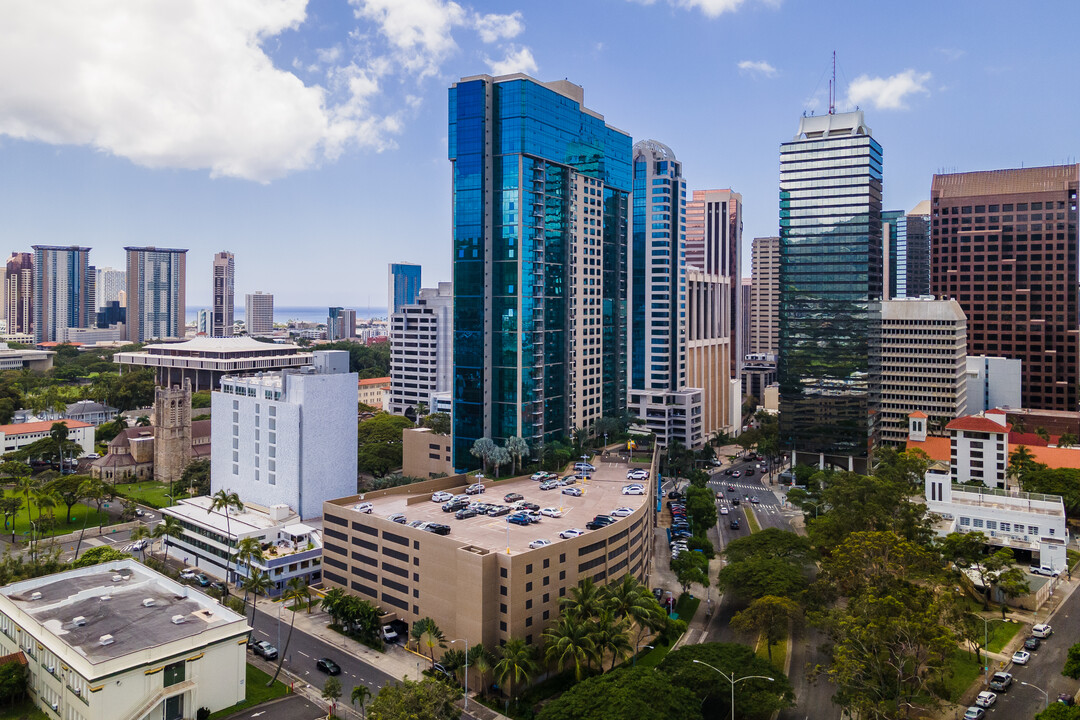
x,y
764,296
118,641
993,382
287,437
979,449
923,363
421,349
110,284
259,313
671,415
291,548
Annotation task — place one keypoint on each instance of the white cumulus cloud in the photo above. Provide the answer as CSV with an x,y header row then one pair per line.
x,y
709,8
757,68
420,30
493,28
517,60
180,85
887,93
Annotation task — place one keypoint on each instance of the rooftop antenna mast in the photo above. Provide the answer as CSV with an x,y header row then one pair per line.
x,y
832,86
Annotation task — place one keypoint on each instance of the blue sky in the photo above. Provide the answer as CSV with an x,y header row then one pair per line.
x,y
309,138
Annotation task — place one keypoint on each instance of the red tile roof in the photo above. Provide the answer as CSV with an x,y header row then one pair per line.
x,y
374,381
917,414
977,424
44,426
938,448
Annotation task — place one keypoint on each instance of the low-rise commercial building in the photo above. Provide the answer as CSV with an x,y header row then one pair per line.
x,y
118,641
672,415
17,359
290,548
487,580
16,437
374,392
425,453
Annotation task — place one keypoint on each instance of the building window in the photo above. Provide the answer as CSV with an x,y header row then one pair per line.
x,y
174,673
502,571
502,590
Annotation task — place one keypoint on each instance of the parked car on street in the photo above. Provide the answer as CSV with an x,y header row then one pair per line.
x,y
1042,630
1021,657
986,699
264,650
1032,643
1001,681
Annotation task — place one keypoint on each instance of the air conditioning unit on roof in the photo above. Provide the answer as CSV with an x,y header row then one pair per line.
x,y
106,640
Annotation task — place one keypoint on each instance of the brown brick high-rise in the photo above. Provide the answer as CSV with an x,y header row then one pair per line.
x,y
1004,244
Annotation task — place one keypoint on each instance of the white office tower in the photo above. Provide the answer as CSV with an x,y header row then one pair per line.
x,y
421,349
287,437
110,283
259,313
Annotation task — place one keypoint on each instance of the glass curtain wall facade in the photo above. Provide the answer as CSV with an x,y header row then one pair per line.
x,y
918,254
404,284
541,193
830,282
896,265
658,272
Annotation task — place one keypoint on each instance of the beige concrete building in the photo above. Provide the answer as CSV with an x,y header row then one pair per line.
x,y
374,392
118,641
765,296
709,347
482,581
426,454
923,364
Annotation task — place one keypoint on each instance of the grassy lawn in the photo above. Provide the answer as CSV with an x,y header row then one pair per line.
x,y
1073,558
1001,633
965,670
257,692
78,512
653,657
779,652
25,710
150,493
751,520
686,607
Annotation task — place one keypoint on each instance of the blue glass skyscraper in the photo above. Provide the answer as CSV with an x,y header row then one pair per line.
x,y
541,189
830,282
403,285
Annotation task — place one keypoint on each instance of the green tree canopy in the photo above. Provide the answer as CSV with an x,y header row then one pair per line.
x,y
378,441
755,699
770,543
638,693
407,700
97,555
438,422
758,576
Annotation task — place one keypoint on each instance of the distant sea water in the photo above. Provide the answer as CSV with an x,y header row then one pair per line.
x,y
285,313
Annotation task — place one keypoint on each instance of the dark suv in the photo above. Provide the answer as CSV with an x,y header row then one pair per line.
x,y
599,521
455,505
438,528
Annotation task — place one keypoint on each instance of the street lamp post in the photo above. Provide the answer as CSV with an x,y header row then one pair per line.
x,y
637,649
986,645
466,670
732,679
1046,696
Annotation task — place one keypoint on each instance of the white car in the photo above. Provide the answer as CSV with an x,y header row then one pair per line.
x,y
389,634
633,490
986,699
364,507
189,574
622,512
441,497
551,512
723,510
1042,630
576,492
571,533
1043,570
1020,657
538,475
539,544
139,545
637,475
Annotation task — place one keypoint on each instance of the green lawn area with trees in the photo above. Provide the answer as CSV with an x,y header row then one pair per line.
x,y
47,525
257,692
151,493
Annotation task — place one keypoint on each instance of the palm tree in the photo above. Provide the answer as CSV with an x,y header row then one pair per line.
x,y
296,590
360,694
630,600
226,500
247,550
26,485
427,632
515,664
94,490
332,603
169,527
570,640
611,637
518,448
481,659
142,532
585,601
257,583
142,421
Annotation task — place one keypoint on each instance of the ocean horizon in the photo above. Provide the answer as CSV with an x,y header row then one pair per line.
x,y
299,313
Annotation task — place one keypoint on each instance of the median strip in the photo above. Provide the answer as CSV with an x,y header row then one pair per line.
x,y
751,520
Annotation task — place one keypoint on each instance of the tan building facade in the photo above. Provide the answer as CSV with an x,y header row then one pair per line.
x,y
764,296
374,392
425,453
482,581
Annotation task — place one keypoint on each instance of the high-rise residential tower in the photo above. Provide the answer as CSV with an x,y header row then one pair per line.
x,y
541,191
403,286
1004,245
110,282
714,301
421,358
340,323
221,321
63,292
156,285
765,296
923,364
830,281
19,293
657,329
259,313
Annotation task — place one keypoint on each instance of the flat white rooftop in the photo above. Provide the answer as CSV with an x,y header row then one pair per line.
x,y
123,599
252,519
